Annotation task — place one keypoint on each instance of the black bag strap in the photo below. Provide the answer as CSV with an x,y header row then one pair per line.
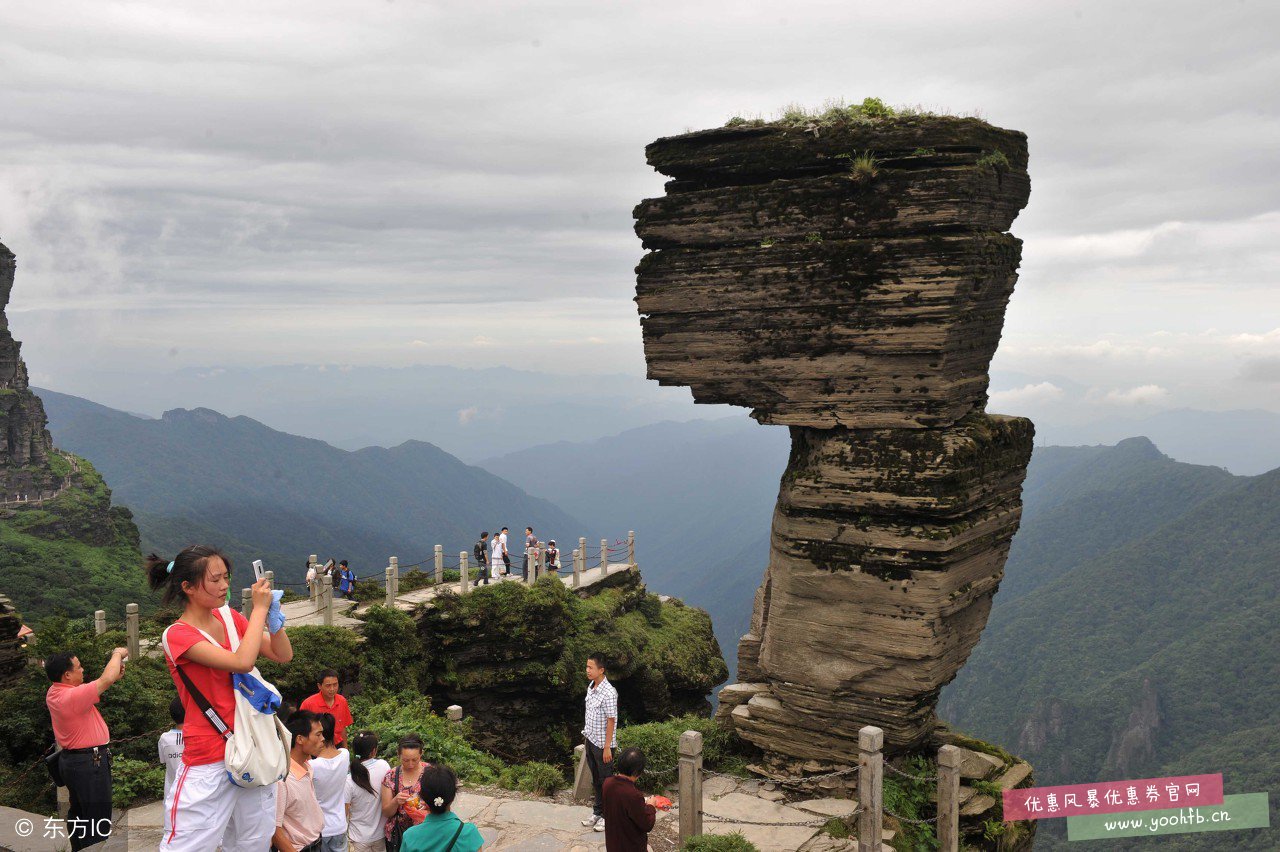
x,y
456,835
203,703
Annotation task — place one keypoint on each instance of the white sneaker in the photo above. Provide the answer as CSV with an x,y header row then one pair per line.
x,y
592,820
600,824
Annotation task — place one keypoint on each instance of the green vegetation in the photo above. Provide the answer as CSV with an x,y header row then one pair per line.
x,y
393,716
315,649
912,799
541,779
73,555
660,742
135,781
994,158
719,843
767,242
836,112
864,165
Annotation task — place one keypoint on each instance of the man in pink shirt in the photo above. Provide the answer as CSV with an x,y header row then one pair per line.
x,y
299,819
78,727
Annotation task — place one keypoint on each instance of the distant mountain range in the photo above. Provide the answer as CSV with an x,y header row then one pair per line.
x,y
1137,632
1243,441
199,476
471,413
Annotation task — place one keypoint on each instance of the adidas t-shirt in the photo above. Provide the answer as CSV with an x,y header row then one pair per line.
x,y
170,748
201,742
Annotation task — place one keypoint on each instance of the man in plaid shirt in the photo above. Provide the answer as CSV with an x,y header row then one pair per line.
x,y
598,732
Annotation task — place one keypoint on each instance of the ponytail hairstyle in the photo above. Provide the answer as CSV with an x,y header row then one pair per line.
x,y
188,566
328,724
364,745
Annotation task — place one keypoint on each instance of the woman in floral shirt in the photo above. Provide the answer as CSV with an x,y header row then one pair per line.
x,y
402,791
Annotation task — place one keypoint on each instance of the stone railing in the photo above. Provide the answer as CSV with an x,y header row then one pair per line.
x,y
869,807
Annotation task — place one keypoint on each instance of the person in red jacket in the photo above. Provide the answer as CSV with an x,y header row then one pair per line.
x,y
628,815
327,699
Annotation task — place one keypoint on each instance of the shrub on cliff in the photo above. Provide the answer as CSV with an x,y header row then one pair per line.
x,y
410,713
393,654
660,743
315,649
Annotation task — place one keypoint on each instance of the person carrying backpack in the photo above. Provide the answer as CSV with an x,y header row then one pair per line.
x,y
481,552
346,580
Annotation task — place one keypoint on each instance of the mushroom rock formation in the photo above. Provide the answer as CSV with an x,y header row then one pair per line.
x,y
850,280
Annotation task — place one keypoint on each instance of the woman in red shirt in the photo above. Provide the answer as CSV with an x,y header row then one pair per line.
x,y
204,808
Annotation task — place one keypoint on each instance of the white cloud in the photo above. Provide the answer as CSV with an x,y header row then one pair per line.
x,y
1141,395
455,174
1032,394
1266,339
466,415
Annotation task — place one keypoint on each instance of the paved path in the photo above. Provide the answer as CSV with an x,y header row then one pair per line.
x,y
516,822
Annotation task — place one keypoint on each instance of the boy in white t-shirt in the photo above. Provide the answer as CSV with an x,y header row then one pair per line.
x,y
170,748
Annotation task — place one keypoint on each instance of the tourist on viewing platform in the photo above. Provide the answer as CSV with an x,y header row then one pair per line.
x,y
85,761
506,554
327,699
313,579
530,548
553,556
402,792
204,807
298,818
441,830
481,552
629,815
496,566
346,580
170,749
364,795
330,770
598,733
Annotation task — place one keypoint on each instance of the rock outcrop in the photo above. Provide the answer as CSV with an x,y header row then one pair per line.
x,y
25,443
849,279
512,657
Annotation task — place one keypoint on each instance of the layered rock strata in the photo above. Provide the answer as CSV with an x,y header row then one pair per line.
x,y
25,443
850,280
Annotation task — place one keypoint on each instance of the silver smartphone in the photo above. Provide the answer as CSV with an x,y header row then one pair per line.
x,y
258,571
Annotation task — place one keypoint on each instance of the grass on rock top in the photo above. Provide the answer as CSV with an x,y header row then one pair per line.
x,y
836,112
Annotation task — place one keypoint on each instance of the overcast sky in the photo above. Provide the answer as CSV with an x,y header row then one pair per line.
x,y
251,183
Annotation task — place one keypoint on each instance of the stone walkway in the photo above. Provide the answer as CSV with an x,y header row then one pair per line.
x,y
513,822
